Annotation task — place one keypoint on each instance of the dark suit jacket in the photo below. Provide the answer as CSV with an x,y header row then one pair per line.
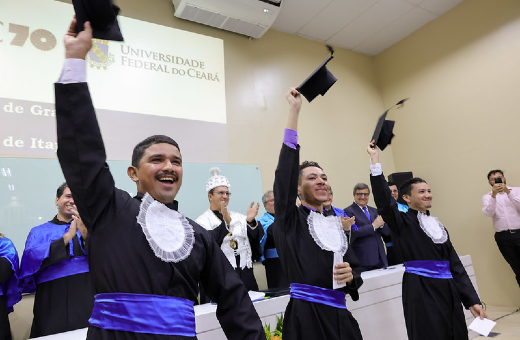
x,y
366,242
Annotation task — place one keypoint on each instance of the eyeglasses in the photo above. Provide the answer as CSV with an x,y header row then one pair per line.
x,y
361,194
270,201
222,193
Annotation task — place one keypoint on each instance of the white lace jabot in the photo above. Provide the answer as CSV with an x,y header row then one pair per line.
x,y
327,232
168,232
432,227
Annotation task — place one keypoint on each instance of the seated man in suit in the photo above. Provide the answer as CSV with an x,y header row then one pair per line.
x,y
366,241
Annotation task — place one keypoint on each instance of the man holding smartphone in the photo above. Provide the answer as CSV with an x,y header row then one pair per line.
x,y
503,205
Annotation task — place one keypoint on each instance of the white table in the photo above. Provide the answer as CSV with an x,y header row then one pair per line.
x,y
379,299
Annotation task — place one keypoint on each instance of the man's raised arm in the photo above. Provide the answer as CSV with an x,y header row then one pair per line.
x,y
382,196
287,172
80,146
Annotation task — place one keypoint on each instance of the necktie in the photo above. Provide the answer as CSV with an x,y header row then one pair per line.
x,y
367,214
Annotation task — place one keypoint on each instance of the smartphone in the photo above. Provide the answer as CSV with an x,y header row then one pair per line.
x,y
498,180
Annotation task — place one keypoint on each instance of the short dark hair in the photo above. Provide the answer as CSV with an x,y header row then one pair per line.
x,y
307,164
61,189
141,147
360,186
390,184
492,172
406,188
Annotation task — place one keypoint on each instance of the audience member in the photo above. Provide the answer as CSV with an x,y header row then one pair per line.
x,y
347,222
391,256
273,268
55,266
237,235
367,242
395,194
10,292
503,205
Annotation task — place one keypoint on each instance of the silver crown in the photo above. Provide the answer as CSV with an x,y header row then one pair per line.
x,y
216,180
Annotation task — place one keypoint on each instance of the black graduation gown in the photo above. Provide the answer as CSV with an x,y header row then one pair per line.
x,y
432,307
305,262
273,267
120,258
5,273
391,256
254,236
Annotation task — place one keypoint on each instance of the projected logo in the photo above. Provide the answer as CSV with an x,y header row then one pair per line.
x,y
98,56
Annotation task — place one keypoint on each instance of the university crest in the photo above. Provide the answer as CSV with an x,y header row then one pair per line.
x,y
98,55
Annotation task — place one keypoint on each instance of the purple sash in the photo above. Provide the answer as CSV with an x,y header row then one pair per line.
x,y
433,269
325,296
144,313
69,267
37,249
10,288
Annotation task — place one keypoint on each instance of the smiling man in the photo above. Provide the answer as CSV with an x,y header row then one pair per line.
x,y
366,240
146,258
503,205
313,248
55,266
237,235
435,281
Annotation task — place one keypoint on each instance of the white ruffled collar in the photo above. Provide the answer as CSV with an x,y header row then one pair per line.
x,y
432,227
327,232
167,231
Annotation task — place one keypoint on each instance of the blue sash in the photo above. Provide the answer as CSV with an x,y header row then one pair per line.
x,y
389,244
37,249
10,288
433,269
144,313
69,267
266,222
271,253
402,207
325,296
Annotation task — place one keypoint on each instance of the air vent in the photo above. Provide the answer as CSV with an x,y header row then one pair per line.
x,y
248,17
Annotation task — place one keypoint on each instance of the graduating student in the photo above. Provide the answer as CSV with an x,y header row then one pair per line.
x,y
55,266
237,235
146,258
435,281
313,249
10,292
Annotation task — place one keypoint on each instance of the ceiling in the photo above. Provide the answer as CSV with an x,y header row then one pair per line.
x,y
364,26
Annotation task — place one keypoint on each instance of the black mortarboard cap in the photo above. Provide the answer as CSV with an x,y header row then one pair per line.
x,y
102,15
319,82
383,134
384,129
